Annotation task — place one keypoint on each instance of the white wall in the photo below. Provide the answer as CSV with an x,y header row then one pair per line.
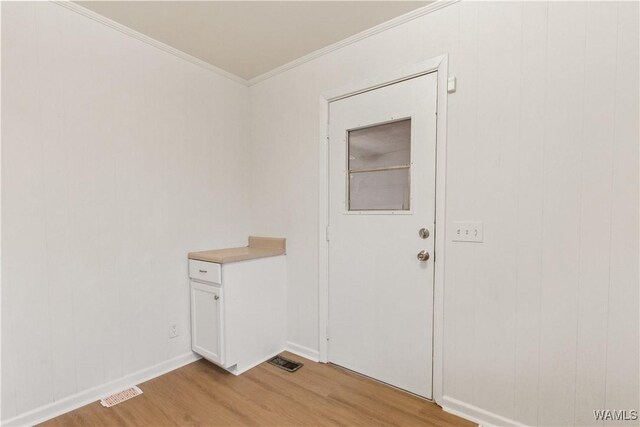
x,y
117,159
541,320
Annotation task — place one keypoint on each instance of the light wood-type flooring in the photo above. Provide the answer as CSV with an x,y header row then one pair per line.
x,y
201,394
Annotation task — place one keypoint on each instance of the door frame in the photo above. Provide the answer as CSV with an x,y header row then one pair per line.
x,y
439,64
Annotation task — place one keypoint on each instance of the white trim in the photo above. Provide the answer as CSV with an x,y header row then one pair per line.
x,y
475,414
439,64
148,40
302,351
440,231
323,232
414,14
52,410
428,66
1,352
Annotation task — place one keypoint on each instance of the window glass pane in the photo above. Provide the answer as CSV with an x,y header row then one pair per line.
x,y
379,167
379,190
380,146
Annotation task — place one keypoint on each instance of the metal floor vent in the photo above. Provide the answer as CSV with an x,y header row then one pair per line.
x,y
120,397
284,363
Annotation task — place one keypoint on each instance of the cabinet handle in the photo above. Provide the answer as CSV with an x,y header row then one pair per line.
x,y
202,271
216,297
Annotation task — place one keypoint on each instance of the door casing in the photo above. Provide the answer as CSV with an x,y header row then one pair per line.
x,y
438,64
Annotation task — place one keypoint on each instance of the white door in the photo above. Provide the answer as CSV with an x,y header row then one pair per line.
x,y
381,194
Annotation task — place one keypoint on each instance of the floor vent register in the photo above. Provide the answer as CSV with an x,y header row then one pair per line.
x,y
120,397
286,364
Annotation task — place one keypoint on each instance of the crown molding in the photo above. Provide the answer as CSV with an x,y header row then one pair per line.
x,y
410,16
148,40
414,14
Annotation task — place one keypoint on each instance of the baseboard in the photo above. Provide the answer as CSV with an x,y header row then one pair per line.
x,y
83,398
475,414
302,351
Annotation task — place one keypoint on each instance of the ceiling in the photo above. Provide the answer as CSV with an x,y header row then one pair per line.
x,y
249,38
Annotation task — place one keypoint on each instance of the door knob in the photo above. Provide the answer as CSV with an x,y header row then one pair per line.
x,y
423,255
423,233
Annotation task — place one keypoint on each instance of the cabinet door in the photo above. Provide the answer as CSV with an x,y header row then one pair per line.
x,y
206,321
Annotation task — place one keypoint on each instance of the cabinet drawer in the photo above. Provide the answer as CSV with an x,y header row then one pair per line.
x,y
205,271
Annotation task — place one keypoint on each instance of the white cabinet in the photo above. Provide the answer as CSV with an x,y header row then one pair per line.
x,y
206,321
238,311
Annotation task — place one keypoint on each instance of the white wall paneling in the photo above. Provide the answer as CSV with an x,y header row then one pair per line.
x,y
541,319
117,160
562,147
530,158
595,208
623,291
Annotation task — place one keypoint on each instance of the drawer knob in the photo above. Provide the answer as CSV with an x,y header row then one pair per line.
x,y
216,297
202,271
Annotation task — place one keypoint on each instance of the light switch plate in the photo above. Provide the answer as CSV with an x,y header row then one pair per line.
x,y
467,231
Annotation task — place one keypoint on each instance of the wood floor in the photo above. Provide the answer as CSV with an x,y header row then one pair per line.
x,y
316,395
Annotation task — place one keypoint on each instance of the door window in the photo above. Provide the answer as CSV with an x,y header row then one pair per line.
x,y
379,167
